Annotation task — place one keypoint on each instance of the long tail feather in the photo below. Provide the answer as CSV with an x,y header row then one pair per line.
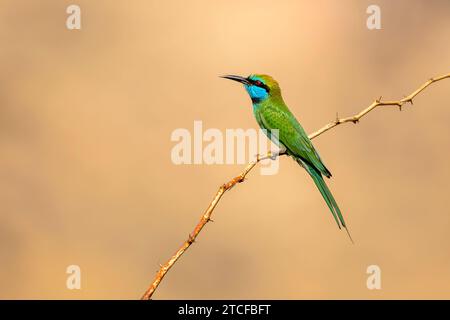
x,y
327,195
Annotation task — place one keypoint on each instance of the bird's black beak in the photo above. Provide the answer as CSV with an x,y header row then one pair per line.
x,y
237,78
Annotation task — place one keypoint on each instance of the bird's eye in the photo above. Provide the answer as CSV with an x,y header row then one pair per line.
x,y
258,83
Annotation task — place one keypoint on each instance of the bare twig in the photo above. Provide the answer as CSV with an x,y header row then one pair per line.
x,y
377,103
206,217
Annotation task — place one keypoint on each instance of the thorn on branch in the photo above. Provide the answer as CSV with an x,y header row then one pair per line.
x,y
406,100
337,121
191,239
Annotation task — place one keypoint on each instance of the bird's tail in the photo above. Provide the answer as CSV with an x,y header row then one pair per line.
x,y
326,194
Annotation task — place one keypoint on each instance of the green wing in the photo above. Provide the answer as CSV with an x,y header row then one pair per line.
x,y
292,135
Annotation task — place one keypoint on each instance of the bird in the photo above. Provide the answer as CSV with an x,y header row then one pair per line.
x,y
273,115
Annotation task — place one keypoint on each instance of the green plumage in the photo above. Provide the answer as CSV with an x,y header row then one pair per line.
x,y
272,113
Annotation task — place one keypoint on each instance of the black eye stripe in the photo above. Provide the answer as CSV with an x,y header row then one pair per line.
x,y
258,83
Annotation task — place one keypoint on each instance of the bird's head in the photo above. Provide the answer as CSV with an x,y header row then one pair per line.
x,y
259,86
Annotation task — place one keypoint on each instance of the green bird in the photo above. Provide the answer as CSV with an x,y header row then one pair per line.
x,y
271,113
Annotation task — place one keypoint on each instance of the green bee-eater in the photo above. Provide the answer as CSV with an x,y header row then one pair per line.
x,y
271,113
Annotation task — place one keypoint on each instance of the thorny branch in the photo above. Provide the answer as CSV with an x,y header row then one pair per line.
x,y
206,217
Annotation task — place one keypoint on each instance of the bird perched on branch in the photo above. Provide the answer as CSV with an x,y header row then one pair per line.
x,y
274,116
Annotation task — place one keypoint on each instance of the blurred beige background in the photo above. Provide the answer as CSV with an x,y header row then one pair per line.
x,y
86,175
